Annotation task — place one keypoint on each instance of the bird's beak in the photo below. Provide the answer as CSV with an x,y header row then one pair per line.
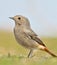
x,y
11,18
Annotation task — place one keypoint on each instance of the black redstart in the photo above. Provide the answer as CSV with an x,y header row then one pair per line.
x,y
26,36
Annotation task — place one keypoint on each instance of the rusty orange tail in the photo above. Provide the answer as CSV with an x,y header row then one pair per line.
x,y
50,52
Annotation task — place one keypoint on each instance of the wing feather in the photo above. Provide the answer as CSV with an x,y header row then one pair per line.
x,y
31,34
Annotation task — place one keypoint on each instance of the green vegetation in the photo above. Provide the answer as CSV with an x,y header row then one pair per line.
x,y
11,53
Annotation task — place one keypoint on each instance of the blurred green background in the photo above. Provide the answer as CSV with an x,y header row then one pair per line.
x,y
42,15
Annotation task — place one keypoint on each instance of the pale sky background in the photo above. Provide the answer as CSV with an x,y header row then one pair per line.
x,y
41,13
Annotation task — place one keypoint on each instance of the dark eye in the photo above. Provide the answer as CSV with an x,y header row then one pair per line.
x,y
19,18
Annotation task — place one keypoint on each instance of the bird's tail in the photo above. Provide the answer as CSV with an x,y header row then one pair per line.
x,y
50,52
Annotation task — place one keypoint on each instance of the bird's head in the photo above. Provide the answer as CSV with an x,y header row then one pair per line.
x,y
20,20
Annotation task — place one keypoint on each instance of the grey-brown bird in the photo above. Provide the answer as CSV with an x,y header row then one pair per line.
x,y
26,37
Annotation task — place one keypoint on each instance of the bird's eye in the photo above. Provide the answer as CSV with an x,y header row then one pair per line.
x,y
19,18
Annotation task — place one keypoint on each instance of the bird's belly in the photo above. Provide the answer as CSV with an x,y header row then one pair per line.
x,y
26,42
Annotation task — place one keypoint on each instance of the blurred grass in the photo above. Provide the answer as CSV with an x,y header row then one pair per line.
x,y
11,53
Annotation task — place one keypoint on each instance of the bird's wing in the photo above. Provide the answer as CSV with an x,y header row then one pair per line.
x,y
31,34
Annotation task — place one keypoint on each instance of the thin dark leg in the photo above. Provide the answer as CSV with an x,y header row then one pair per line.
x,y
30,53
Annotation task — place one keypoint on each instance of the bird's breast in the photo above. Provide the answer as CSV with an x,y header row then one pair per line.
x,y
24,40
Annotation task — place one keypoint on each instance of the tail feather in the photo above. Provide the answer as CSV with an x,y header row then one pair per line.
x,y
50,52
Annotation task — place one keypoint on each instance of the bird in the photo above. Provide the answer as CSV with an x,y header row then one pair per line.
x,y
26,37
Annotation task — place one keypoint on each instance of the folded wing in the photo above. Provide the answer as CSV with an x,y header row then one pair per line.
x,y
34,37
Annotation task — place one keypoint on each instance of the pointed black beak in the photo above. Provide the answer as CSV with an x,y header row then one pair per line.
x,y
11,18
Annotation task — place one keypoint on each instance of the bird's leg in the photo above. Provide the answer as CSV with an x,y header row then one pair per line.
x,y
30,53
